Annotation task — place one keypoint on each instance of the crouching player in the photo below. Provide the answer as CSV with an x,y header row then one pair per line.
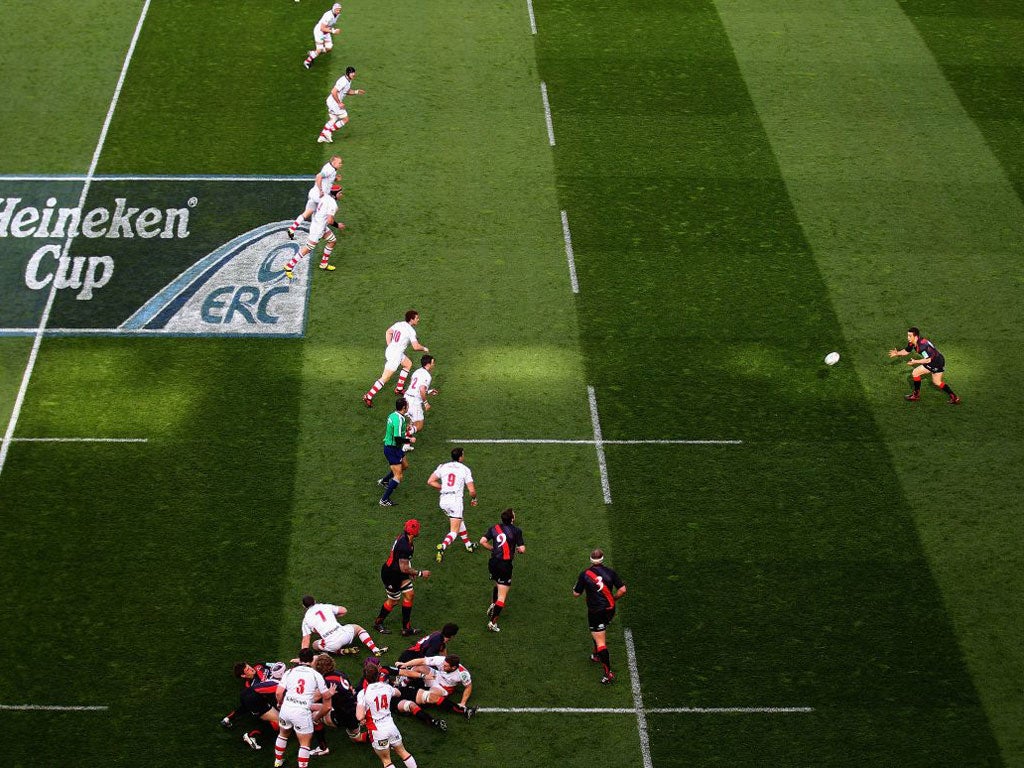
x,y
321,618
259,686
441,675
373,703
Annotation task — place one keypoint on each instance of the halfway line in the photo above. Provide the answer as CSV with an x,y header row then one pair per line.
x,y
606,488
569,253
547,113
638,699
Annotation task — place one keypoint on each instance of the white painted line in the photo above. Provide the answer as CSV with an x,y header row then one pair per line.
x,y
79,440
606,488
547,113
648,710
533,21
49,708
152,177
19,401
568,253
549,441
638,699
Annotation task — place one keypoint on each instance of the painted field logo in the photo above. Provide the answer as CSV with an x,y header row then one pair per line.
x,y
239,288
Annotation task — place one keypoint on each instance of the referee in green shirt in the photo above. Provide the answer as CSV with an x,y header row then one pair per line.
x,y
395,436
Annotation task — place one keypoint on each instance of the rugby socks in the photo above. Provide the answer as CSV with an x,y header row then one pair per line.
x,y
385,611
328,249
606,660
948,390
447,540
494,594
321,735
402,376
917,384
297,223
309,59
392,484
378,385
279,747
498,605
365,639
303,757
410,762
464,535
406,615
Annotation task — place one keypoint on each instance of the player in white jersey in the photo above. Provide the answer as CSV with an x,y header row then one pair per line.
x,y
337,115
321,186
322,222
417,391
452,478
301,691
322,34
398,337
441,675
373,703
322,619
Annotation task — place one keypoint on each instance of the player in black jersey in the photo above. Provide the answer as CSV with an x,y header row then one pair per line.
x,y
603,588
933,363
505,541
434,644
259,686
397,574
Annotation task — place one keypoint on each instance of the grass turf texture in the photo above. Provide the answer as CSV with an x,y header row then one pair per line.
x,y
787,571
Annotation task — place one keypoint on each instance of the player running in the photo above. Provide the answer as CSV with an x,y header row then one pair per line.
x,y
299,689
337,115
322,222
373,703
397,574
397,338
597,582
323,32
505,541
321,186
334,637
451,479
418,391
933,363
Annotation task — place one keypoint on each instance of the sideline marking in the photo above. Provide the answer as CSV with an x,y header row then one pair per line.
x,y
547,441
569,253
638,699
49,708
606,488
5,446
648,710
533,21
79,440
547,112
154,177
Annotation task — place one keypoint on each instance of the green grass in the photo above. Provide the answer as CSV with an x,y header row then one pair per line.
x,y
733,220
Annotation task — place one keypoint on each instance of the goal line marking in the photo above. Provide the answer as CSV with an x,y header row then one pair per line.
x,y
50,708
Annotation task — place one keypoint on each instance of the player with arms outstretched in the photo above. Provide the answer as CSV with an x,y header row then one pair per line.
x,y
933,363
398,337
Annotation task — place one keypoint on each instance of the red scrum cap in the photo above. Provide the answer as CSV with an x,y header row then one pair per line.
x,y
412,527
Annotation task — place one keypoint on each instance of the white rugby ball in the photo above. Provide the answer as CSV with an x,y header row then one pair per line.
x,y
831,358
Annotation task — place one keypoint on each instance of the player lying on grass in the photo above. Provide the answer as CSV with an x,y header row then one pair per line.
x,y
258,697
439,676
321,619
434,644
